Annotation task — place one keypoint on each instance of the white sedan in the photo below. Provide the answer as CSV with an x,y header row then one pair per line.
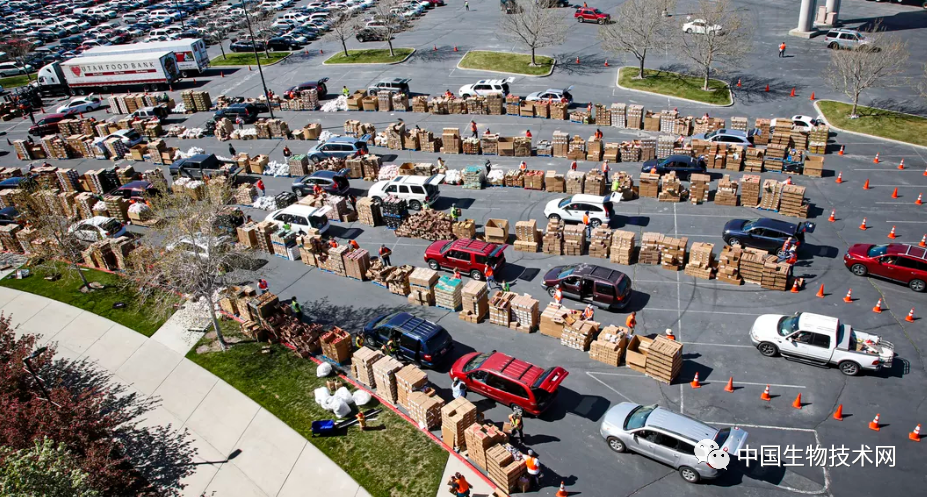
x,y
700,26
82,104
97,228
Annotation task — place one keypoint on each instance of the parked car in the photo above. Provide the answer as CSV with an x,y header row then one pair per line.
x,y
136,190
18,182
800,122
339,146
318,85
421,342
47,125
9,215
563,95
247,112
81,104
247,46
283,44
573,208
415,190
467,256
332,182
486,87
820,340
301,218
8,69
518,384
392,85
588,14
683,165
727,137
846,39
700,26
199,245
97,228
667,437
601,286
763,233
371,34
128,136
906,264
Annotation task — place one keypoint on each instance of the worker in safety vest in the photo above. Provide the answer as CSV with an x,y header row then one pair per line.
x,y
588,313
455,213
333,243
586,224
573,166
345,92
317,190
390,347
558,294
605,168
473,129
528,133
385,252
598,134
490,276
462,486
788,181
523,166
534,467
354,244
262,285
616,185
631,322
518,425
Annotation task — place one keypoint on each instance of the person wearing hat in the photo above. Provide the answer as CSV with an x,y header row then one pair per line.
x,y
534,467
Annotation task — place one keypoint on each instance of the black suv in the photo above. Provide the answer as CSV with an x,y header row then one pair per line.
x,y
247,112
419,341
318,85
682,165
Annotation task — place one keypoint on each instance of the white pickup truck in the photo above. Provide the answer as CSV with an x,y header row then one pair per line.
x,y
820,340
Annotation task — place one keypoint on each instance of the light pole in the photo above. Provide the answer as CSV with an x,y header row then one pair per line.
x,y
26,360
257,59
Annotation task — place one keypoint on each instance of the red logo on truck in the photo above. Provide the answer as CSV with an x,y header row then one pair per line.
x,y
75,70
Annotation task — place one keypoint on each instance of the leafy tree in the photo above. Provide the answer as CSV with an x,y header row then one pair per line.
x,y
45,469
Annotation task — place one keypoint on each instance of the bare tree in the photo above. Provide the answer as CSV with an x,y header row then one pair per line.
x,y
868,66
18,49
922,86
263,30
344,27
197,258
532,26
724,40
388,12
639,27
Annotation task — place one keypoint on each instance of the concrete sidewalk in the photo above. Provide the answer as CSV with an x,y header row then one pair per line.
x,y
275,460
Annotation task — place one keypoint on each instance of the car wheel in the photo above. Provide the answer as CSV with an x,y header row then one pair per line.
x,y
553,217
433,264
580,19
849,368
688,474
377,201
833,46
768,349
476,275
184,74
616,444
551,290
689,31
917,285
859,270
595,223
733,242
415,205
601,21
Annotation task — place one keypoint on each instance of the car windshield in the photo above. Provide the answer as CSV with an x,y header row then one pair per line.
x,y
638,417
722,436
565,202
567,270
749,224
877,250
445,247
711,134
476,362
787,325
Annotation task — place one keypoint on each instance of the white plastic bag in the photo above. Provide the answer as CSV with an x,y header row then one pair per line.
x,y
361,397
344,394
340,408
329,403
321,395
323,370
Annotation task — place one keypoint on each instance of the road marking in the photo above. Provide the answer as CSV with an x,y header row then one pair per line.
x,y
704,312
900,186
731,345
907,222
770,384
606,385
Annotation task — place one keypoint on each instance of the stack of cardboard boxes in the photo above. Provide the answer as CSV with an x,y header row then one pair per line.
x,y
636,353
701,260
421,284
670,189
579,334
475,301
552,243
622,249
500,308
479,438
600,242
362,363
698,188
596,183
525,314
673,252
456,416
650,185
772,195
650,248
526,233
384,374
504,469
554,182
448,293
554,318
727,192
729,265
664,359
425,409
610,345
750,190
574,182
792,202
574,239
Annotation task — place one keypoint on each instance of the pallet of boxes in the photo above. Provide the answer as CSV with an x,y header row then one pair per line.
x,y
500,308
610,345
663,359
425,409
448,293
336,345
701,261
478,438
475,301
525,314
728,266
554,318
622,247
552,241
409,379
456,416
574,239
579,334
506,466
362,365
422,286
600,242
384,375
496,230
526,234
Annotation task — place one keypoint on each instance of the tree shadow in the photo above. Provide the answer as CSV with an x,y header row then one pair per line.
x,y
347,317
304,55
589,63
905,106
442,54
752,88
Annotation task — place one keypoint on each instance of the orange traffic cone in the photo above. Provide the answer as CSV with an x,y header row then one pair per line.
x,y
874,424
670,335
562,491
577,60
455,48
839,178
767,88
901,164
876,159
606,62
925,172
923,242
878,307
862,225
797,403
866,184
919,200
841,149
891,234
895,192
730,385
793,92
910,317
738,83
812,95
221,74
435,49
849,298
833,212
795,286
765,396
838,414
916,434
695,383
820,293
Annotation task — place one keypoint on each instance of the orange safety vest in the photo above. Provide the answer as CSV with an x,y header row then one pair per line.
x,y
531,463
523,166
462,485
573,166
558,295
782,47
630,322
354,244
605,168
488,272
588,313
585,220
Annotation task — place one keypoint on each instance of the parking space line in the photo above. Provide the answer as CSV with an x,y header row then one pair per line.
x,y
770,384
606,385
907,222
704,312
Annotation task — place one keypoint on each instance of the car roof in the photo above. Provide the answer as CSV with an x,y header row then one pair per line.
x,y
733,132
57,115
411,180
512,368
817,323
304,210
97,220
395,80
909,250
342,139
767,222
325,174
680,158
414,327
492,81
475,246
602,273
681,425
585,197
13,181
843,30
136,185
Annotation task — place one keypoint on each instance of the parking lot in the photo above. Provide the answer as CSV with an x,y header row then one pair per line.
x,y
711,318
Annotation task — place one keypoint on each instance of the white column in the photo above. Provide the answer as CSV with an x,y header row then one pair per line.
x,y
805,19
834,6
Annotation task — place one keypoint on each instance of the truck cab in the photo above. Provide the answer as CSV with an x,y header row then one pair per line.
x,y
820,340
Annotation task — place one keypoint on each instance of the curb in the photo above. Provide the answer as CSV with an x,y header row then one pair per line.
x,y
263,64
326,63
503,72
618,84
857,133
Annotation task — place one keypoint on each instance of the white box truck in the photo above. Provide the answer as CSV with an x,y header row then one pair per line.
x,y
190,52
109,74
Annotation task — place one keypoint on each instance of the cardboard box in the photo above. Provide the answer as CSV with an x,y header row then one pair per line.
x,y
636,353
496,230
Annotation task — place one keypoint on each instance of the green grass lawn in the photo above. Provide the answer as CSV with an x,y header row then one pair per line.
x,y
675,85
396,460
99,302
245,59
16,81
507,62
372,56
876,122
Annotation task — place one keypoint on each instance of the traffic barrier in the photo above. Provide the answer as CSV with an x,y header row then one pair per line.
x,y
874,424
891,234
797,403
916,434
765,395
730,385
695,383
910,317
878,307
849,298
838,414
820,293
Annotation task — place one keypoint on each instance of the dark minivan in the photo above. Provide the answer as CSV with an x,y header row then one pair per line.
x,y
600,286
47,125
247,112
420,341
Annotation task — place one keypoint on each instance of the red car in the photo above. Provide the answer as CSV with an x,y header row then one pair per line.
x,y
509,381
588,14
905,264
468,256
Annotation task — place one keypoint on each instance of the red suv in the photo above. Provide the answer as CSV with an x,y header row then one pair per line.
x,y
587,14
469,256
896,261
509,381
